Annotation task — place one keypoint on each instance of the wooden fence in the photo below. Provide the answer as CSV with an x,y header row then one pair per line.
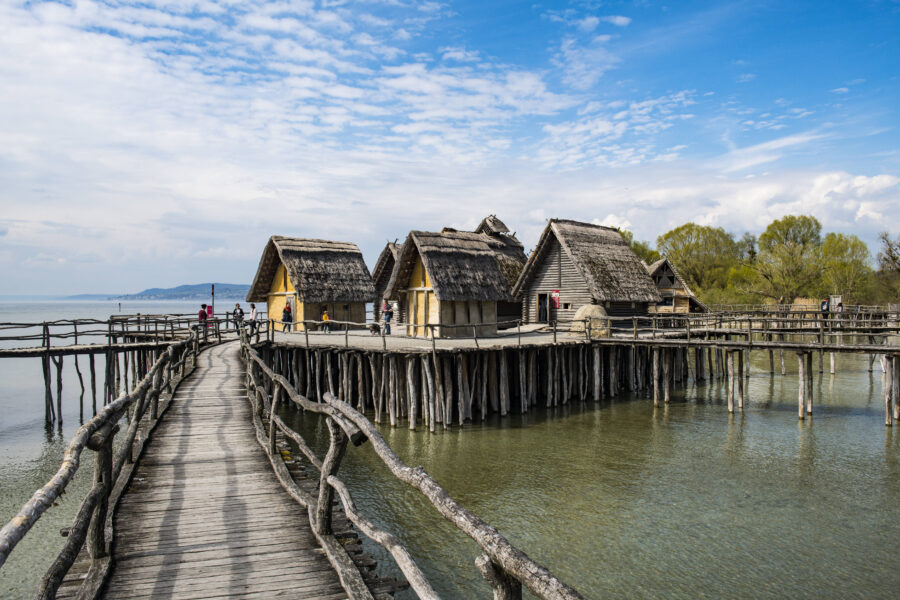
x,y
92,531
505,567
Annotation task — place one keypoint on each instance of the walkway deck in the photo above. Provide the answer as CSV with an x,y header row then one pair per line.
x,y
205,516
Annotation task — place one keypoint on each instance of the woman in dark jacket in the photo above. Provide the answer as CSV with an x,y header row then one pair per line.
x,y
287,317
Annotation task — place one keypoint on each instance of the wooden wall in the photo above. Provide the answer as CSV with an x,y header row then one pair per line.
x,y
555,271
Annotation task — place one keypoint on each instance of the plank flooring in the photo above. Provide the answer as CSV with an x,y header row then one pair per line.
x,y
205,516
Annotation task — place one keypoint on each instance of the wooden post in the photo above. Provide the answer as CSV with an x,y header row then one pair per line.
x,y
597,373
809,384
656,377
740,379
412,389
667,375
276,399
729,384
504,385
887,385
895,363
102,444
330,467
801,384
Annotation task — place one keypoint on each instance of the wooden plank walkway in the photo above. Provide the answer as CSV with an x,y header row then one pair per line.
x,y
205,516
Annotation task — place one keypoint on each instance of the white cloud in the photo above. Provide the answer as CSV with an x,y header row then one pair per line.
x,y
617,20
841,90
745,77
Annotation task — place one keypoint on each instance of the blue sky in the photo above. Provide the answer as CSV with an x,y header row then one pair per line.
x,y
158,143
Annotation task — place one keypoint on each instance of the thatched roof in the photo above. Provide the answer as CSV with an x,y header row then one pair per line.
x,y
491,224
654,268
461,265
611,270
386,260
320,270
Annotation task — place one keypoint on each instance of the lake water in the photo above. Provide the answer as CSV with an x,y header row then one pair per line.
x,y
618,499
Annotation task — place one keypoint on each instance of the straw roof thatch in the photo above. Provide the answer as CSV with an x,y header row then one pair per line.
x,y
462,265
611,270
656,266
320,270
386,261
491,224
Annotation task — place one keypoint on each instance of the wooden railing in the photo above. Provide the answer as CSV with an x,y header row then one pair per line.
x,y
815,326
504,566
113,467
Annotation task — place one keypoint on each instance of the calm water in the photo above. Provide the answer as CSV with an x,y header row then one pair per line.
x,y
618,499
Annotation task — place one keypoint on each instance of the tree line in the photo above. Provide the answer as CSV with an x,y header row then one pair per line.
x,y
791,259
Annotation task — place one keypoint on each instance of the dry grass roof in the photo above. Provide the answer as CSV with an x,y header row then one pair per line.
x,y
611,270
491,224
462,265
384,266
656,266
320,270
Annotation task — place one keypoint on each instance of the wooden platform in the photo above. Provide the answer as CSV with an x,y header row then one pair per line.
x,y
205,516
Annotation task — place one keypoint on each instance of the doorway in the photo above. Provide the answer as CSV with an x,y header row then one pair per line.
x,y
543,308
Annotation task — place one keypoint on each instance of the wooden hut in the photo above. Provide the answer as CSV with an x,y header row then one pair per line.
x,y
457,278
677,297
381,275
577,264
311,276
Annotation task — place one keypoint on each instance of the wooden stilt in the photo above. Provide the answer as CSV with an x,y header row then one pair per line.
x,y
667,374
801,385
895,391
412,390
656,377
93,383
740,379
504,385
809,384
729,384
887,386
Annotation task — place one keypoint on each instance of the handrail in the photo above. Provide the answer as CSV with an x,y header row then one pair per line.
x,y
506,567
111,472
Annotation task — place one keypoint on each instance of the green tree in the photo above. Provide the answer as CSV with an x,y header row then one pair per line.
x,y
788,262
643,250
702,254
845,264
889,255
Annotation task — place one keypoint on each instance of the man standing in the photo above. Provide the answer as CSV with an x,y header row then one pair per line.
x,y
238,315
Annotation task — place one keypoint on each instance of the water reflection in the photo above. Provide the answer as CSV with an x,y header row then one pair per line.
x,y
624,499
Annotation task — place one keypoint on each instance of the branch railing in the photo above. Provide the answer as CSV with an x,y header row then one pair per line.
x,y
158,328
113,467
505,567
764,325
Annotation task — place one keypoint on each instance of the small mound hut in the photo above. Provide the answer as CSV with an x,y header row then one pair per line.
x,y
381,274
575,264
312,276
457,278
677,297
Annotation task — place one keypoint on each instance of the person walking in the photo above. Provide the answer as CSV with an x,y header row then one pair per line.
x,y
253,315
387,311
238,315
326,321
286,317
825,308
202,315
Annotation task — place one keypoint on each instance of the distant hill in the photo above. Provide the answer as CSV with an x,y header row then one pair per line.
x,y
199,291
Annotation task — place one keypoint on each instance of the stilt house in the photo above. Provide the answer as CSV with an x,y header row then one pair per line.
x,y
311,276
579,264
677,297
457,278
381,274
